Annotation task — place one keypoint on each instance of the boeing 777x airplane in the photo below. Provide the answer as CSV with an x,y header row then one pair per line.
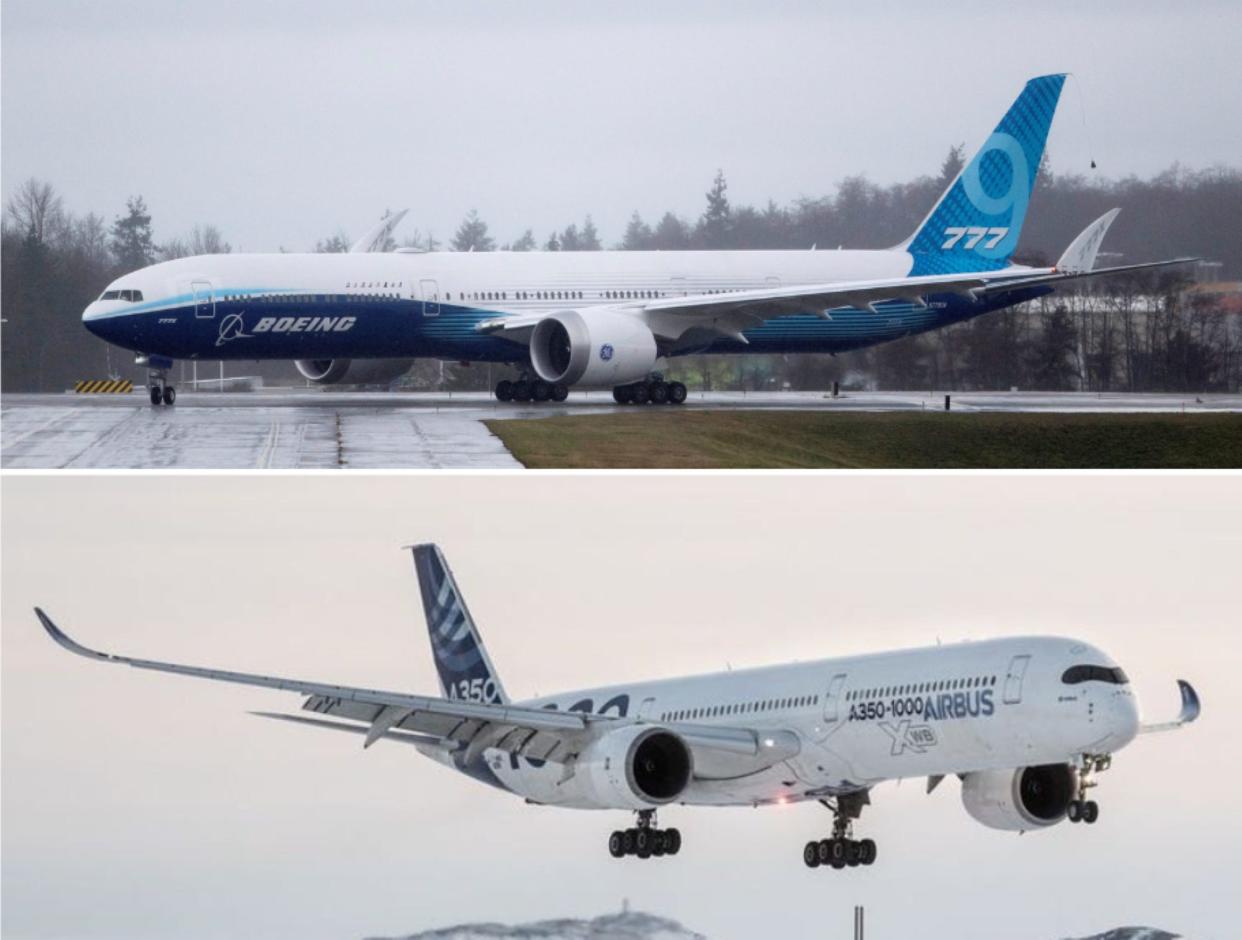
x,y
603,318
1024,722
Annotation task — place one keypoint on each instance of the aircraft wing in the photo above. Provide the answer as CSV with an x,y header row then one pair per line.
x,y
1189,711
541,733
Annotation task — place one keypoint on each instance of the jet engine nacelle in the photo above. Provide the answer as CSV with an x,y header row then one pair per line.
x,y
598,348
353,371
1026,798
636,767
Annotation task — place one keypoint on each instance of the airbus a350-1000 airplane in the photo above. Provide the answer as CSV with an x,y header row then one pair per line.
x,y
1024,722
603,318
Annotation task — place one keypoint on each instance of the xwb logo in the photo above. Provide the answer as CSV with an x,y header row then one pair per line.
x,y
605,352
905,736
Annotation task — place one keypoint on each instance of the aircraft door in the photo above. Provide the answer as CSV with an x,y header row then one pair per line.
x,y
204,300
832,698
431,297
1013,680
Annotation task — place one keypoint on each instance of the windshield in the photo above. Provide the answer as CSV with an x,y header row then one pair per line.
x,y
1076,674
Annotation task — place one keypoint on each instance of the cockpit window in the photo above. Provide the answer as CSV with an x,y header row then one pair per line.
x,y
1075,674
133,296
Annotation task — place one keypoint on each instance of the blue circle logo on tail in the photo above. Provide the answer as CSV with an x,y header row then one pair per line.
x,y
605,352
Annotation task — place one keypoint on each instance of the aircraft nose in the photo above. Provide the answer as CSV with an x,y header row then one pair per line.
x,y
1125,717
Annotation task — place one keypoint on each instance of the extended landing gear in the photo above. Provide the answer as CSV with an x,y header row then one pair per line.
x,y
645,839
1081,809
157,386
842,850
528,388
654,390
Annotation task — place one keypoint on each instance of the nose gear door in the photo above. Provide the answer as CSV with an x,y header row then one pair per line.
x,y
204,300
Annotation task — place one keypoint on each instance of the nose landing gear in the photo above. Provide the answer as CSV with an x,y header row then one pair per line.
x,y
842,850
161,393
645,839
1081,809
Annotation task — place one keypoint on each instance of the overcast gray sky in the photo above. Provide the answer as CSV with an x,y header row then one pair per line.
x,y
282,122
138,805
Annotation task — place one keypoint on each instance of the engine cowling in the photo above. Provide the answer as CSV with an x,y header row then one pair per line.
x,y
636,767
353,371
1026,798
599,348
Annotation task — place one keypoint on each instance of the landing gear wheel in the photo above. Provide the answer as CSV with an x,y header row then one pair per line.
x,y
157,397
521,390
628,838
853,853
866,851
623,395
560,392
1073,812
672,841
810,854
677,393
504,390
643,843
823,850
616,844
540,390
170,394
659,393
1090,811
659,845
836,853
641,393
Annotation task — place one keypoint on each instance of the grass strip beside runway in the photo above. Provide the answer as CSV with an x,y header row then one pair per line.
x,y
668,438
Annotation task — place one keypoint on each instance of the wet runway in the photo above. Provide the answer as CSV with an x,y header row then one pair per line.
x,y
293,429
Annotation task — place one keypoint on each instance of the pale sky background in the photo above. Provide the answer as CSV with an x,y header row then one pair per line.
x,y
139,805
283,122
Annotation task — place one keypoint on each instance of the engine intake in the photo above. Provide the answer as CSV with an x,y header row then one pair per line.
x,y
1026,798
598,348
638,767
353,371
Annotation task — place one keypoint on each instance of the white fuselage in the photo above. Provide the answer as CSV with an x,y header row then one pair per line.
x,y
997,704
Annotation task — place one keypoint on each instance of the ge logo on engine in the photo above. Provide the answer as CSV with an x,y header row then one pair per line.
x,y
605,352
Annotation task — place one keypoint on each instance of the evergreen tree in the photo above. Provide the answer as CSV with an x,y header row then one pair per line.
x,y
553,243
953,163
715,225
472,235
590,237
525,243
638,234
671,234
131,236
336,244
570,239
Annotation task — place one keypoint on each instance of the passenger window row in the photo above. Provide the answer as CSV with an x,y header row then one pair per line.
x,y
918,688
740,708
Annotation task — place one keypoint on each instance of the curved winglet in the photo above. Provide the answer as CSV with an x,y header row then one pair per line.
x,y
59,635
1079,257
1190,710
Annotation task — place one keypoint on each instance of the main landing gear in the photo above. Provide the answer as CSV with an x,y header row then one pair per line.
x,y
644,840
1081,809
841,851
653,391
530,388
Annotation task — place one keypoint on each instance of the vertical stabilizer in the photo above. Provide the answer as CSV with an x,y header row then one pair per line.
x,y
465,669
977,222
